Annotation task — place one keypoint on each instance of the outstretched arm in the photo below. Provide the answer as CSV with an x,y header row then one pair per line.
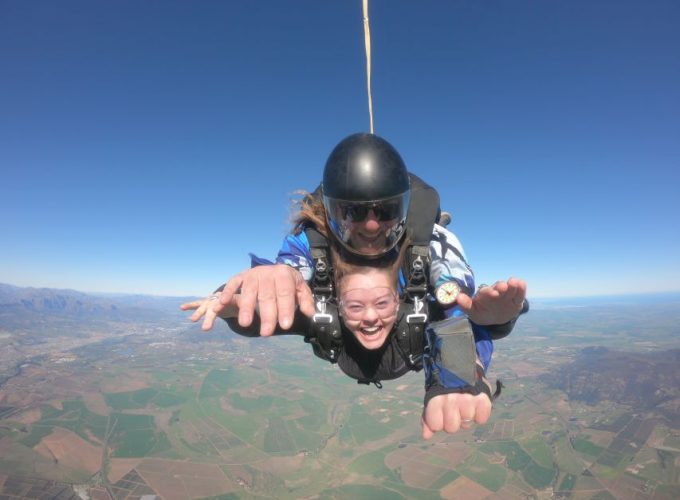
x,y
272,293
450,409
496,304
452,412
457,393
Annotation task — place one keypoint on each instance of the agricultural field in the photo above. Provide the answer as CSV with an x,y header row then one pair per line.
x,y
180,415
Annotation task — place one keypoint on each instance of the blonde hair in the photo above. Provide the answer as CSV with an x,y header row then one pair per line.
x,y
311,212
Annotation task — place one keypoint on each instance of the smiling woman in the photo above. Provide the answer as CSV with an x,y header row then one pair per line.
x,y
368,303
368,298
369,312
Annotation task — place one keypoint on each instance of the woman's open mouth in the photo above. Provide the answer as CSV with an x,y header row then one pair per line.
x,y
370,331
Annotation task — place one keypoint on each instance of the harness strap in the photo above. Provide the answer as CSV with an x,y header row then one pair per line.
x,y
366,381
416,267
422,215
417,270
325,333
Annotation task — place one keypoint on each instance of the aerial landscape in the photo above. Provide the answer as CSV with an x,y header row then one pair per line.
x,y
121,396
153,151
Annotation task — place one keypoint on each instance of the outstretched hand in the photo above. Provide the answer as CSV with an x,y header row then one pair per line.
x,y
275,290
209,309
452,412
495,304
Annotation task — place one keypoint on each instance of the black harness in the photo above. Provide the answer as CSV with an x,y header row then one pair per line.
x,y
325,333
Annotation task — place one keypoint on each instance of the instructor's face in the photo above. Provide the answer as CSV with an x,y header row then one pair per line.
x,y
368,228
369,237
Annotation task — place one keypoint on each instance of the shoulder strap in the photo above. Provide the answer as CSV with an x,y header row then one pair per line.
x,y
410,335
325,333
423,211
422,214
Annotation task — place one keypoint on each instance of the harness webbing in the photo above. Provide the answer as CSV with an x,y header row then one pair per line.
x,y
416,268
421,216
326,334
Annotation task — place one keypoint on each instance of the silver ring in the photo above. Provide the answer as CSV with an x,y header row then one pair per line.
x,y
467,421
214,296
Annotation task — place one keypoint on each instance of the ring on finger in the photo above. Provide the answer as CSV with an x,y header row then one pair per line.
x,y
214,296
467,421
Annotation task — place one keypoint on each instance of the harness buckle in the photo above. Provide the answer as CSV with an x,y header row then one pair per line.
x,y
417,316
321,266
321,316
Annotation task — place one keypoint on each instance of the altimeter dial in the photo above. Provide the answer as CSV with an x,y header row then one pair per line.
x,y
447,292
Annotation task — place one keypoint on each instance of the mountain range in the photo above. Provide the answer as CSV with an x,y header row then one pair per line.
x,y
21,302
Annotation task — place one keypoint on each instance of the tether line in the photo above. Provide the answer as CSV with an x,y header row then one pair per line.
x,y
367,42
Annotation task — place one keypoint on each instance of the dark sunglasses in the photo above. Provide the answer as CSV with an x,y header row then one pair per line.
x,y
383,211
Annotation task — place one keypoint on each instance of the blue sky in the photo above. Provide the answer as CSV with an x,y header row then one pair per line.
x,y
147,147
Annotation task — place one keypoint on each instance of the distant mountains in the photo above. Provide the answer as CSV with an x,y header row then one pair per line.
x,y
637,299
645,381
17,302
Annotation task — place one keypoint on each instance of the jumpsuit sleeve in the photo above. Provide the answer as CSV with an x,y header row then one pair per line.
x,y
295,252
448,263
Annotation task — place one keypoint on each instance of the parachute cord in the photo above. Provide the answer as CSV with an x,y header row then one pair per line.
x,y
367,41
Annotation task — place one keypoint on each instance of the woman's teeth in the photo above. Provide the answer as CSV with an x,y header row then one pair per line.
x,y
370,331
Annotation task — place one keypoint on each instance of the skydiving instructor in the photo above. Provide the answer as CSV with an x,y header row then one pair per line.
x,y
372,205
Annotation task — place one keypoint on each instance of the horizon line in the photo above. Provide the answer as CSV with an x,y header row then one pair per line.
x,y
538,298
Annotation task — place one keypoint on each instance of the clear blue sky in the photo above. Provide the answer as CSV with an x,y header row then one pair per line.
x,y
149,146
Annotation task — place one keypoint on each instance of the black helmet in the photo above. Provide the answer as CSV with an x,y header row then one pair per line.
x,y
364,174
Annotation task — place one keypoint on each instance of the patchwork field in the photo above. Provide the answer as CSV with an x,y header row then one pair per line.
x,y
180,414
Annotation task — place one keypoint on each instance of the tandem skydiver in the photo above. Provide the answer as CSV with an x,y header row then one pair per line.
x,y
370,208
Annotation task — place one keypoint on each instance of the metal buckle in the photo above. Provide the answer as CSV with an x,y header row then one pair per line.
x,y
321,316
416,316
415,360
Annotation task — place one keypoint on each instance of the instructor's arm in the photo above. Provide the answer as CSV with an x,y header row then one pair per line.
x,y
274,290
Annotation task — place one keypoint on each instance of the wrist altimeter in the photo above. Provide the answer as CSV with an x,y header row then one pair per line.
x,y
447,292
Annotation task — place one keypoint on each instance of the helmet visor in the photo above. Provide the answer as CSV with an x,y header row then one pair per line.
x,y
369,228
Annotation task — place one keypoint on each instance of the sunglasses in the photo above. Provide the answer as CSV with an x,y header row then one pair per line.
x,y
382,211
